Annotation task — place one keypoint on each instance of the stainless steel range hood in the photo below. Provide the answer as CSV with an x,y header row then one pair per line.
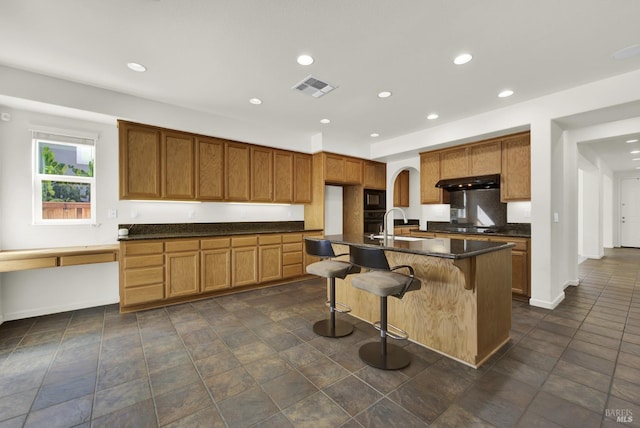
x,y
470,183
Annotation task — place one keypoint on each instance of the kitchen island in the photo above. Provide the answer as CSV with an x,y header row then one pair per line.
x,y
463,306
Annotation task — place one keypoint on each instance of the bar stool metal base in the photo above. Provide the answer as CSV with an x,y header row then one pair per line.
x,y
394,358
326,329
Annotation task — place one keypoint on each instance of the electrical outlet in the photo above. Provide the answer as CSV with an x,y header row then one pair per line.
x,y
191,214
111,213
134,213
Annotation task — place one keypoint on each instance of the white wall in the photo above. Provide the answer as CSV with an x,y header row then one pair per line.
x,y
333,210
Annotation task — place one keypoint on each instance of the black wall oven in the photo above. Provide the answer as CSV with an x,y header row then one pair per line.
x,y
375,200
375,205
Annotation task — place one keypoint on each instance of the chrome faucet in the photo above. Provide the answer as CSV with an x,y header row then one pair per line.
x,y
386,231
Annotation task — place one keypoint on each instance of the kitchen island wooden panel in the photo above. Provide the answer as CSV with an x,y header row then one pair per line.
x,y
463,306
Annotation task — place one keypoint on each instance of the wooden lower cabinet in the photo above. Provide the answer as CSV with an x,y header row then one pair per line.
x,y
520,258
159,272
141,273
215,264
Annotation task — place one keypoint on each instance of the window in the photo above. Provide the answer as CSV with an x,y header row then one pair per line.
x,y
64,179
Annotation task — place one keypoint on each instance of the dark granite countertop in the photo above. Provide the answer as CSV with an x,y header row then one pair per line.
x,y
509,230
436,247
203,230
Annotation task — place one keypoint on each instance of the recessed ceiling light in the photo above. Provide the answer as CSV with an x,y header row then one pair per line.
x,y
462,59
635,159
634,152
433,116
638,167
506,93
384,94
256,101
635,140
325,121
305,59
627,52
375,134
136,67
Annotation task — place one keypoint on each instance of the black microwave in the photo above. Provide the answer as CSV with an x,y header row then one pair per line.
x,y
375,200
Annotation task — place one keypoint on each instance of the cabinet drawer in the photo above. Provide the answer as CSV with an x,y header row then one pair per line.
x,y
291,258
211,244
83,259
269,239
177,246
291,237
292,271
147,293
143,261
290,248
24,264
244,241
135,277
133,249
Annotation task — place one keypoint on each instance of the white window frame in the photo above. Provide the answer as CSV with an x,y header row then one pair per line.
x,y
64,138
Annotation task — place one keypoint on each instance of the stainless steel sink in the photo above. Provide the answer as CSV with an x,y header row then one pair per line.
x,y
398,238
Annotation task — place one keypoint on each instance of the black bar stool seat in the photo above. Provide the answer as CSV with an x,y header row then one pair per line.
x,y
331,269
382,281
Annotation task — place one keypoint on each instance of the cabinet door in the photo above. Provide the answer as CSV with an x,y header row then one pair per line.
x,y
429,176
519,273
283,176
515,182
238,167
353,171
485,158
401,190
215,269
183,273
261,174
270,262
140,148
334,168
302,182
375,175
454,163
244,266
210,173
178,166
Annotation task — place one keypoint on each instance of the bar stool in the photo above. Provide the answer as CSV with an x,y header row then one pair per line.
x,y
331,269
382,281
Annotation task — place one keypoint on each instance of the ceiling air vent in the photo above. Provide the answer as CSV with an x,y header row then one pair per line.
x,y
314,87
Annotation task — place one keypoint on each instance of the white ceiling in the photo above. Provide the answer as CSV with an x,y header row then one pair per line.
x,y
214,55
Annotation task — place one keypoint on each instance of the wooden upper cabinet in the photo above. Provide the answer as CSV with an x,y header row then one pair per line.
x,y
210,169
139,157
353,171
401,190
283,169
454,163
261,174
515,183
342,169
302,178
375,175
485,158
178,166
238,167
429,176
334,168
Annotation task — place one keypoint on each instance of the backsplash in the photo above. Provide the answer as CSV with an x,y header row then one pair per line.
x,y
480,207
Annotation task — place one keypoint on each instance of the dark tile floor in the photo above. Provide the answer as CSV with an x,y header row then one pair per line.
x,y
252,359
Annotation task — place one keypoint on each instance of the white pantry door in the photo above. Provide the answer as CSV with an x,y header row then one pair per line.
x,y
630,212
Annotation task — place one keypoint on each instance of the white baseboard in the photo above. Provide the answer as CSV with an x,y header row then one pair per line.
x,y
547,304
571,282
55,309
593,256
